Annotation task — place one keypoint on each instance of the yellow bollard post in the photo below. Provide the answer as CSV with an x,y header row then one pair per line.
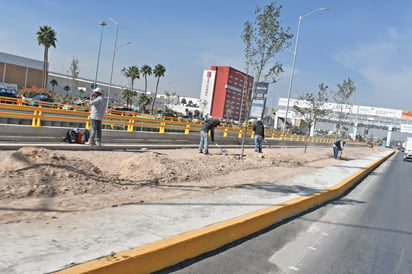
x,y
225,132
130,127
33,121
38,122
162,126
187,128
87,126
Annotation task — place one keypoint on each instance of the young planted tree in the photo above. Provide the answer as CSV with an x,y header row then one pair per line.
x,y
341,97
263,39
146,70
46,36
311,107
74,72
133,73
158,71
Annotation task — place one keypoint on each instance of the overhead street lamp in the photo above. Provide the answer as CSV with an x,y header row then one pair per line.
x,y
102,23
111,73
294,61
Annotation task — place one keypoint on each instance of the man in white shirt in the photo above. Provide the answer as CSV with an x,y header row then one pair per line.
x,y
98,108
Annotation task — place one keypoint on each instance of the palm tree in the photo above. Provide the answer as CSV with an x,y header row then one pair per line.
x,y
133,73
67,89
159,71
146,70
53,83
127,96
144,100
46,36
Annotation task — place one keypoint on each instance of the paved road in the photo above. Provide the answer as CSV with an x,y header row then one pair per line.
x,y
367,231
48,245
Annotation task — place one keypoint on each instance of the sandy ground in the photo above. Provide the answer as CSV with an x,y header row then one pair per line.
x,y
36,183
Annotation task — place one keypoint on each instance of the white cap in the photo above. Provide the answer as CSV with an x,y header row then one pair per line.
x,y
259,119
99,90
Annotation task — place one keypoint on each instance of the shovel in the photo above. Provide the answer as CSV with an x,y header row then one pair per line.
x,y
221,149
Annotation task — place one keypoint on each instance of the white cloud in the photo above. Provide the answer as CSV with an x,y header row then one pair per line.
x,y
386,66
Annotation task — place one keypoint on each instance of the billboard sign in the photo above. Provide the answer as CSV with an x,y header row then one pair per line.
x,y
257,108
206,94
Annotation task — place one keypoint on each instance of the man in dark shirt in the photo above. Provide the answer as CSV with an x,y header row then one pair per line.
x,y
338,146
259,130
209,125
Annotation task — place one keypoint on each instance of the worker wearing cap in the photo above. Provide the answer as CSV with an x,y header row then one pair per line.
x,y
259,130
98,108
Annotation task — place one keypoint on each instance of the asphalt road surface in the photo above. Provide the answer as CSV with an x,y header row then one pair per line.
x,y
367,231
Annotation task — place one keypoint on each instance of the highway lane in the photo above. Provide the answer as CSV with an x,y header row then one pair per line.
x,y
367,231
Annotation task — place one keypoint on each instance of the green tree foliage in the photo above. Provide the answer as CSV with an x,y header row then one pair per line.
x,y
128,95
310,108
53,83
132,73
263,38
146,70
67,89
158,71
143,102
46,36
341,97
183,101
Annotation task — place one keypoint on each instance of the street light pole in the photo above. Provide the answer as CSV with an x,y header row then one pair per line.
x,y
111,73
102,23
294,61
114,54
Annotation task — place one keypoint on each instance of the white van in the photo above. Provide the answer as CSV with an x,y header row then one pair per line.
x,y
407,153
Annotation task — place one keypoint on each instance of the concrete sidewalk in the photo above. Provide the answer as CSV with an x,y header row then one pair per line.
x,y
47,246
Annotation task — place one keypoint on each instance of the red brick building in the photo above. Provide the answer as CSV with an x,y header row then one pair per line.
x,y
224,93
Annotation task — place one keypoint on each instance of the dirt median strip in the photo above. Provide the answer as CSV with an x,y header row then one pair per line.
x,y
161,254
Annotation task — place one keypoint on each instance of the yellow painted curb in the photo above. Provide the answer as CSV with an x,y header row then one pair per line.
x,y
158,255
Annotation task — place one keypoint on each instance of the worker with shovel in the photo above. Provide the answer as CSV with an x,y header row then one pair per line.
x,y
208,126
338,147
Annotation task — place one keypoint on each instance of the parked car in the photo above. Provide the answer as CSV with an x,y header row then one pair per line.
x,y
166,114
8,95
43,100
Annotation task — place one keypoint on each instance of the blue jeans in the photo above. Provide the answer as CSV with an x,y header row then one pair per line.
x,y
258,143
204,144
335,152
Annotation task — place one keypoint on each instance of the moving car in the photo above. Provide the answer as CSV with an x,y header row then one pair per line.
x,y
407,153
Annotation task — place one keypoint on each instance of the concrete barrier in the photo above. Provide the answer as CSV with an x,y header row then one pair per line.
x,y
161,254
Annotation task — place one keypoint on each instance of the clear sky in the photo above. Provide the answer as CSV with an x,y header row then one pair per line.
x,y
368,41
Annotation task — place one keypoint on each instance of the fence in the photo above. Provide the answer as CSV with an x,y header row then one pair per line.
x,y
38,114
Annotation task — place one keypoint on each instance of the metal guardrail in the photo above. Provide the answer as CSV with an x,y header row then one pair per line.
x,y
129,121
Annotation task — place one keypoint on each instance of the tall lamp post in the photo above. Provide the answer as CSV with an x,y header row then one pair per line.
x,y
111,73
102,23
294,61
115,47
